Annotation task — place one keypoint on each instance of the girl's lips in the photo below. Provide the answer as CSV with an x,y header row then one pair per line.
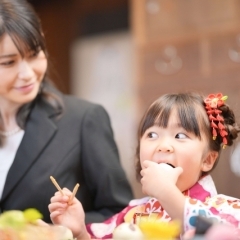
x,y
169,164
165,165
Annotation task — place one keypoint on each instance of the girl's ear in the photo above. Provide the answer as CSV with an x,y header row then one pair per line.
x,y
209,161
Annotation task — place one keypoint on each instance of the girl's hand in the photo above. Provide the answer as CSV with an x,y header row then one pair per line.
x,y
159,181
158,178
71,216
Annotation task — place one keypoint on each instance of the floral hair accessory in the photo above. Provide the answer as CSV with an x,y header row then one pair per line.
x,y
213,102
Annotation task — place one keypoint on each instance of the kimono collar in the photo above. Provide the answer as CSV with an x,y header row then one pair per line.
x,y
201,190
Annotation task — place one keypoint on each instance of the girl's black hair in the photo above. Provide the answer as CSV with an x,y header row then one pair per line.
x,y
19,20
193,118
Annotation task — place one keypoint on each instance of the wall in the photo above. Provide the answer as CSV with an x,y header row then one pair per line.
x,y
102,72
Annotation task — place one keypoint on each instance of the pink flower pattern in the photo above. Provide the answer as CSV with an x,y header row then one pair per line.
x,y
201,199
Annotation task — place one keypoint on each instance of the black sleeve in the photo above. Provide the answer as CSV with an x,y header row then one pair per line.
x,y
103,173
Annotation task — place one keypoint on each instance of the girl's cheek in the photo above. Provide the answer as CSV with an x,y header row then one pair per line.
x,y
141,159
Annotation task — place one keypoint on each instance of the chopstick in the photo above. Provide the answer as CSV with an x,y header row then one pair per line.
x,y
60,190
56,184
74,193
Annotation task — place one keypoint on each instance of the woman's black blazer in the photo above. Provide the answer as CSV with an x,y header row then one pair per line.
x,y
77,147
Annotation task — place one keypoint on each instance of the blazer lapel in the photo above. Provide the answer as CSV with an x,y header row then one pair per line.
x,y
38,132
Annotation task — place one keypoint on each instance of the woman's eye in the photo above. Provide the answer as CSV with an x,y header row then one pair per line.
x,y
7,63
152,135
181,136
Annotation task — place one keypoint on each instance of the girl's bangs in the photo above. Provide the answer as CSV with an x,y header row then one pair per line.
x,y
159,114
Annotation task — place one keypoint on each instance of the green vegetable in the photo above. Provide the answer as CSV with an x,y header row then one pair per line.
x,y
17,218
31,215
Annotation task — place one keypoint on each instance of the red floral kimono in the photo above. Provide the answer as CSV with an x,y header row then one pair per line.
x,y
201,199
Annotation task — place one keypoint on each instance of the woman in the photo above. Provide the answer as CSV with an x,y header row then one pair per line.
x,y
44,132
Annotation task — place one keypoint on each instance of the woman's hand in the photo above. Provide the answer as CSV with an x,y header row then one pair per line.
x,y
71,215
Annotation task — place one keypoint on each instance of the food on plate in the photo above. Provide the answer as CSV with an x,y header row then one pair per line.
x,y
160,230
126,231
22,225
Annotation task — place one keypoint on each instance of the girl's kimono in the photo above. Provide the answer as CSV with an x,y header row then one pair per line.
x,y
201,199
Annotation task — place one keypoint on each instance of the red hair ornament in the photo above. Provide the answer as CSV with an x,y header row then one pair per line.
x,y
213,102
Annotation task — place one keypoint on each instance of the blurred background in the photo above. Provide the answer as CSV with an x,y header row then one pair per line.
x,y
123,54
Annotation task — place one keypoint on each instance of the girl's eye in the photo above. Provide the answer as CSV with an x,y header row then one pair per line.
x,y
181,136
152,135
33,54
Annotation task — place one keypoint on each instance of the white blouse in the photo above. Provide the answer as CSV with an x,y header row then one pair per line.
x,y
7,155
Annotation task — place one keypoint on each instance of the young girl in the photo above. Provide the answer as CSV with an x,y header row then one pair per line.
x,y
179,143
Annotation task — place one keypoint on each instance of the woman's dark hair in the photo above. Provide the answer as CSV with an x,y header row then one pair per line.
x,y
193,118
19,20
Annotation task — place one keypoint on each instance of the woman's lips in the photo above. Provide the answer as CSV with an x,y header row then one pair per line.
x,y
26,89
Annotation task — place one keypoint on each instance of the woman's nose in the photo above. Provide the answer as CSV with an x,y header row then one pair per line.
x,y
25,71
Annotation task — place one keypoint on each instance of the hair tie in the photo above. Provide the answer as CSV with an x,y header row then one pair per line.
x,y
213,102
